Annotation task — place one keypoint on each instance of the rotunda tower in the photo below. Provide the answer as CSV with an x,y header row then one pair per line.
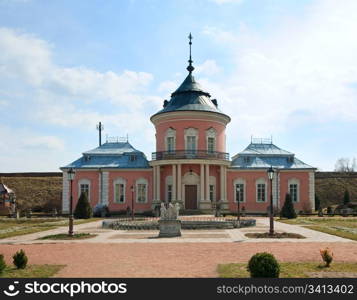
x,y
190,161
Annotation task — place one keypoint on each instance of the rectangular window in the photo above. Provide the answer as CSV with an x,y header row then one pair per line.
x,y
119,193
293,189
169,193
211,145
240,192
211,192
141,197
85,189
261,192
191,143
170,144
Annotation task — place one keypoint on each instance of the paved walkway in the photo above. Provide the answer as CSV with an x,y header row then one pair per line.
x,y
196,254
188,236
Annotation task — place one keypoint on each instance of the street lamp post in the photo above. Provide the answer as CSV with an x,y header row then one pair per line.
x,y
238,205
132,202
70,178
270,175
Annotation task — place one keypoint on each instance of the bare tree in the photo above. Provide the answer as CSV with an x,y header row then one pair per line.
x,y
346,165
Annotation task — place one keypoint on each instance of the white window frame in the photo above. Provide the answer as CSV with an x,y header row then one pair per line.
x,y
168,183
261,181
211,133
141,181
235,182
191,132
115,182
170,133
297,182
82,182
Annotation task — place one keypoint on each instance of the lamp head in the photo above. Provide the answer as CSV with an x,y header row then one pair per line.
x,y
270,173
71,174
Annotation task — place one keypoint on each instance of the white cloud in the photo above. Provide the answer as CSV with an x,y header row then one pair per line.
x,y
305,70
168,86
208,67
49,142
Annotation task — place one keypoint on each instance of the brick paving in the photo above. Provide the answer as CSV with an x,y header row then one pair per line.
x,y
165,259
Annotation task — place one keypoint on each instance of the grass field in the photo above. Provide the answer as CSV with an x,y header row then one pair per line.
x,y
65,236
288,269
13,227
32,271
345,227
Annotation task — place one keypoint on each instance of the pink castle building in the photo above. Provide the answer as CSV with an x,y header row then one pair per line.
x,y
190,165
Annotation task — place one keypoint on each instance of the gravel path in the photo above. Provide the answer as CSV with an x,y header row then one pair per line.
x,y
165,259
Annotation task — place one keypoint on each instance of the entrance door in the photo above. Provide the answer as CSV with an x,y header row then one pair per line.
x,y
191,196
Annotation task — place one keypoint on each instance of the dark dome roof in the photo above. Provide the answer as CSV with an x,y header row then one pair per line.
x,y
189,97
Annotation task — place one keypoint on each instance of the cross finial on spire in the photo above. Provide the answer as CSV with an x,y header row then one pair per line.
x,y
190,68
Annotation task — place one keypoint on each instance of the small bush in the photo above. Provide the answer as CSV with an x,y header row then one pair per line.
x,y
20,259
2,264
83,209
346,198
327,256
263,265
288,210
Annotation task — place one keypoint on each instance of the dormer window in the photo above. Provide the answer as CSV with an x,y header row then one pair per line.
x,y
132,158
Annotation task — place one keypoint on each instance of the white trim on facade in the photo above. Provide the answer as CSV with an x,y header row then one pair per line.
x,y
168,181
261,181
211,133
192,132
141,181
170,133
297,182
312,190
239,181
105,181
84,181
119,180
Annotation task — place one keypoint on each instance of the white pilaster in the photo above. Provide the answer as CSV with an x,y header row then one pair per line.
x,y
207,182
158,183
312,189
105,181
222,182
100,187
173,183
179,186
65,193
202,183
154,183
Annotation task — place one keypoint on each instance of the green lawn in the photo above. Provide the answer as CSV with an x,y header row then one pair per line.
x,y
12,227
32,271
65,236
287,269
345,227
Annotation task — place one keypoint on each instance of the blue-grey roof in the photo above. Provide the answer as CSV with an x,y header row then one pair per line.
x,y
120,155
264,149
262,156
190,96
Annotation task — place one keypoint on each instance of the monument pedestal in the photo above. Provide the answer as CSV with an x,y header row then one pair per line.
x,y
169,228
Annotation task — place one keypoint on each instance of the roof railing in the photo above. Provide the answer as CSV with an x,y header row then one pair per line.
x,y
190,154
117,139
261,140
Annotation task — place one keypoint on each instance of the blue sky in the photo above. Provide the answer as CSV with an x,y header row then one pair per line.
x,y
281,68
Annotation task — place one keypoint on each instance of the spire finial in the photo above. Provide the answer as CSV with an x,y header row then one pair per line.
x,y
190,68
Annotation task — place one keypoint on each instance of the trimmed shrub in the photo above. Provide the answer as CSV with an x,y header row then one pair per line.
x,y
288,210
327,256
346,197
2,264
83,209
20,259
317,203
263,265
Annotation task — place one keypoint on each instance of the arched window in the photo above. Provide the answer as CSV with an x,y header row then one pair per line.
x,y
211,140
170,140
261,190
84,187
294,189
141,190
239,190
119,185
